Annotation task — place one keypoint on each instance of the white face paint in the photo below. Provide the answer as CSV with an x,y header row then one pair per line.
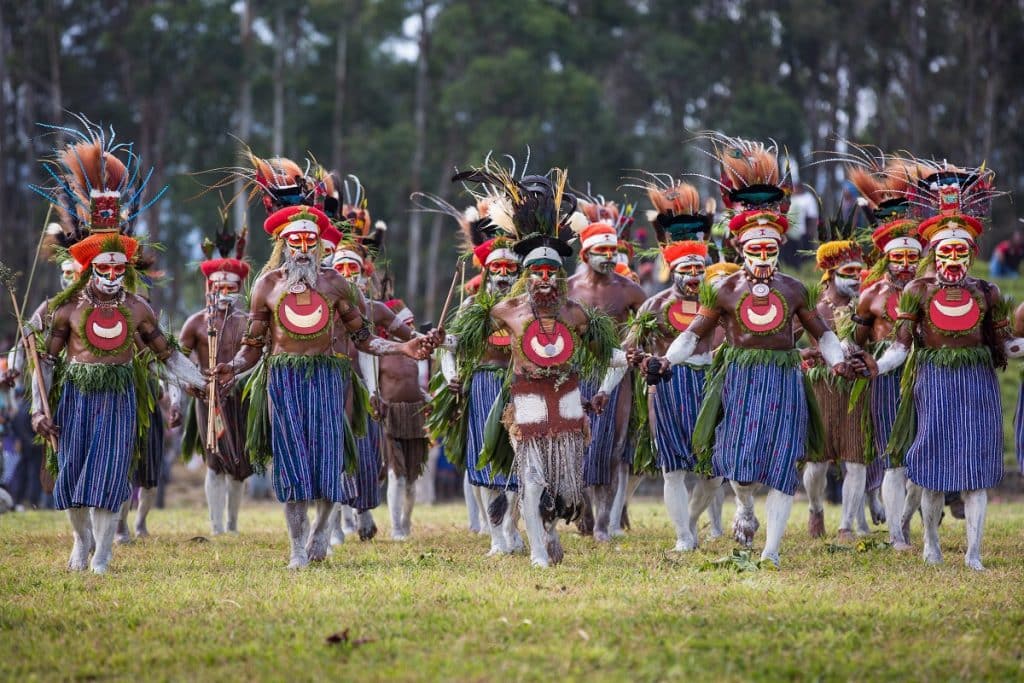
x,y
601,258
687,275
761,257
847,279
108,278
67,274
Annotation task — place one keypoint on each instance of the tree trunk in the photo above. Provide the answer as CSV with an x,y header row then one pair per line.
x,y
419,150
346,19
434,247
280,33
244,129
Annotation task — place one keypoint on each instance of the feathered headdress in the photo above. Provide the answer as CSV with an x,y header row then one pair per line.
x,y
953,201
750,174
283,182
480,237
678,214
536,209
230,247
97,183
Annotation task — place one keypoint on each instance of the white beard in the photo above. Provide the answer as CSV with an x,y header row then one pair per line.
x,y
305,273
848,287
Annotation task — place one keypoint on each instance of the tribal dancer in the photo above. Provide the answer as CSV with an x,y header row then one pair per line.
x,y
403,403
227,462
97,422
293,309
599,286
553,340
886,187
473,368
756,419
681,229
956,329
841,261
353,260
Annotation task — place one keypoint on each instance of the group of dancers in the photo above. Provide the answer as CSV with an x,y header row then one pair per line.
x,y
554,393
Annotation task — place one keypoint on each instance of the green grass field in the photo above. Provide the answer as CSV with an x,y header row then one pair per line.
x,y
175,607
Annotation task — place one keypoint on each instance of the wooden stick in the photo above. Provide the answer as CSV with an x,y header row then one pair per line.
x,y
211,339
448,300
37,370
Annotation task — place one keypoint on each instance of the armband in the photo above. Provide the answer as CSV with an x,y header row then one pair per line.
x,y
262,317
360,335
705,311
864,322
901,315
253,340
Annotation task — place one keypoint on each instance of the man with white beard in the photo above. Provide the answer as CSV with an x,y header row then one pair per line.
x,y
841,263
294,306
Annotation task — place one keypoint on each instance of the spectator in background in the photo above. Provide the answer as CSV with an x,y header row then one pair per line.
x,y
1007,255
803,223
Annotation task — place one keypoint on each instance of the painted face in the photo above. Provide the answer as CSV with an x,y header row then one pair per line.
x,y
501,275
227,292
847,278
902,264
953,258
761,257
601,258
327,249
302,246
109,278
686,276
543,279
68,275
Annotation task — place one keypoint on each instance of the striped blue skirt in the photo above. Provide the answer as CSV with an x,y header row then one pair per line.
x,y
597,459
959,440
484,388
676,404
1018,428
763,432
95,448
147,474
885,400
369,466
307,439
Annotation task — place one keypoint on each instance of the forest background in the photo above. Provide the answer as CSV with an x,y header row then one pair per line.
x,y
401,92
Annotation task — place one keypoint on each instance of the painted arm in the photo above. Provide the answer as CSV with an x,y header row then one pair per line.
x,y
617,368
863,319
179,368
828,343
368,370
685,344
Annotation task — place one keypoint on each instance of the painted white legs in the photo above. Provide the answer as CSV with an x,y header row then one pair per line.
x,y
911,504
932,503
401,498
337,529
705,494
223,495
123,536
236,489
81,529
854,483
815,481
298,531
975,505
622,486
535,529
894,493
477,516
677,504
499,544
147,498
602,498
744,522
777,511
104,525
319,541
216,486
